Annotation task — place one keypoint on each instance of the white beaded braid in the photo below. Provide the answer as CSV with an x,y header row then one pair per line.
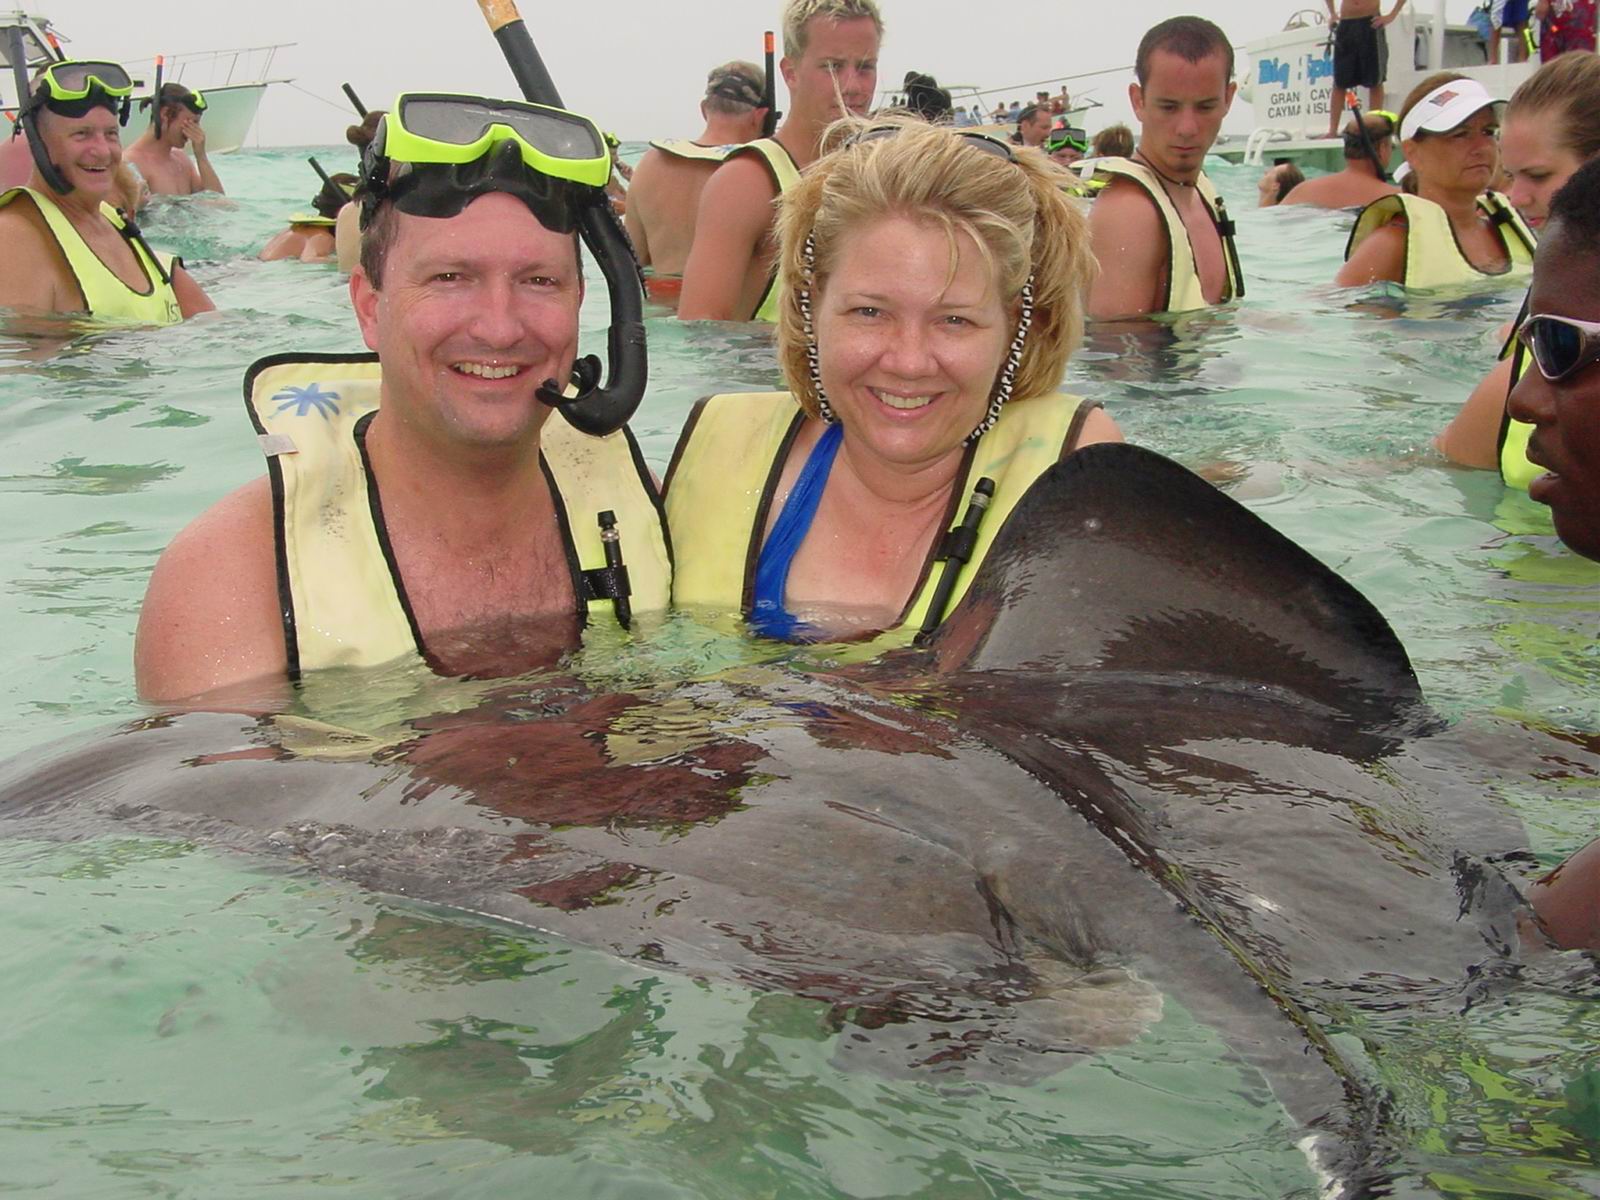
x,y
1008,374
808,262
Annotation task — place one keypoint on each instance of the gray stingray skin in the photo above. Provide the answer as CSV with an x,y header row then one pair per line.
x,y
1157,746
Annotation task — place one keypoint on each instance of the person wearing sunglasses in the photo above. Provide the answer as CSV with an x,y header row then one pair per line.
x,y
64,247
830,65
1552,127
932,291
1560,398
1455,230
1162,234
158,154
422,505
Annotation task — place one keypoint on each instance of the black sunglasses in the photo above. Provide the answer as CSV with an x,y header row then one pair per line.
x,y
978,141
1561,346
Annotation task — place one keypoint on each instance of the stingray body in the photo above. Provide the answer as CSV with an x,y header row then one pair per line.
x,y
1157,748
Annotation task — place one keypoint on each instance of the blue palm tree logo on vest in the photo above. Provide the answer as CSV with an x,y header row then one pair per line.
x,y
307,400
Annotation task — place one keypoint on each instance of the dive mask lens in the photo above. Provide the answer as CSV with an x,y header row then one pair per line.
x,y
437,128
1561,346
75,80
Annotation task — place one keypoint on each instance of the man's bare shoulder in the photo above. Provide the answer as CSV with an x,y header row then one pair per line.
x,y
211,613
742,180
1122,200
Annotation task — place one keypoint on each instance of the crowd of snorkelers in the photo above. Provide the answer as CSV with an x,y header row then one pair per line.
x,y
926,282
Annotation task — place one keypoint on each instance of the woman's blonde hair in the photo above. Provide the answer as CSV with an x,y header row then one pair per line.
x,y
1566,89
1017,213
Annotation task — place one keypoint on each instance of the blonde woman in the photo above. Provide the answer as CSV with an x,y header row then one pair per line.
x,y
931,290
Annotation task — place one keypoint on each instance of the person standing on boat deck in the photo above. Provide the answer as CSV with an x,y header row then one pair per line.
x,y
1454,230
664,196
1033,126
1359,184
64,247
830,65
160,157
454,524
1161,233
1360,53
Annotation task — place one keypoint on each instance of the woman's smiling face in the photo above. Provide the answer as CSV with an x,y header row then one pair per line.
x,y
909,342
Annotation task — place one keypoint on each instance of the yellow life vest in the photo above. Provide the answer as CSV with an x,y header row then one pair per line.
x,y
1515,469
104,294
1433,256
1184,292
730,456
694,151
340,591
784,175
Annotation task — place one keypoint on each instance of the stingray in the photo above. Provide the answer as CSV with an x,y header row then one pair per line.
x,y
1157,749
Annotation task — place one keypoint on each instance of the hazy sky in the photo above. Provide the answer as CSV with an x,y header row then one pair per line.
x,y
637,67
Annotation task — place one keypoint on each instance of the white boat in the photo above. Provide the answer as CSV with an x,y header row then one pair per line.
x,y
233,81
1289,79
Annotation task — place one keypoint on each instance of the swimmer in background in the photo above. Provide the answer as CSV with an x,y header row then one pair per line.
x,y
664,198
161,160
310,235
1360,183
1276,182
1114,141
830,64
1159,227
347,229
1360,53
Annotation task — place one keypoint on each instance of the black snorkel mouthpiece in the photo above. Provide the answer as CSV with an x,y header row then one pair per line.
x,y
596,408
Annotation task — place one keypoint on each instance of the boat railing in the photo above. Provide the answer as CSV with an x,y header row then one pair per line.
x,y
217,68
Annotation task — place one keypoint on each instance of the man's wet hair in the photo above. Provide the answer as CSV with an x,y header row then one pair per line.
x,y
1378,128
334,196
360,135
1114,141
797,14
735,88
1193,39
1577,206
1028,112
174,95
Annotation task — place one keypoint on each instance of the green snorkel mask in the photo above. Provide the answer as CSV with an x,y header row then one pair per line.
x,y
72,89
1060,139
435,153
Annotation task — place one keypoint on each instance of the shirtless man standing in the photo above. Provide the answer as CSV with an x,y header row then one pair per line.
x,y
1360,53
160,158
830,64
1160,232
1359,184
665,193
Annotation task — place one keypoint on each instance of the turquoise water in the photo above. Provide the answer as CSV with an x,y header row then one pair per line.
x,y
192,1025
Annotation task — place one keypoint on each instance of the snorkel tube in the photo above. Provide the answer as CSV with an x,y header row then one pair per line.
x,y
769,92
595,409
155,100
28,116
355,100
1353,103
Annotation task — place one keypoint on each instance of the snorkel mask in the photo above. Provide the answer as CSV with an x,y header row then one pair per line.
x,y
435,153
72,89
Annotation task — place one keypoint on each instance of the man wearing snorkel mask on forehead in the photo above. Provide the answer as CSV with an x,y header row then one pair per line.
x,y
64,248
159,155
424,505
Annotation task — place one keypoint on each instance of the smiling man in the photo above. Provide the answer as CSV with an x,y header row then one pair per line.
x,y
1160,232
422,506
64,248
830,64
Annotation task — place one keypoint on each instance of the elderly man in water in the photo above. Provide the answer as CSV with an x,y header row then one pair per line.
x,y
1560,398
64,247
